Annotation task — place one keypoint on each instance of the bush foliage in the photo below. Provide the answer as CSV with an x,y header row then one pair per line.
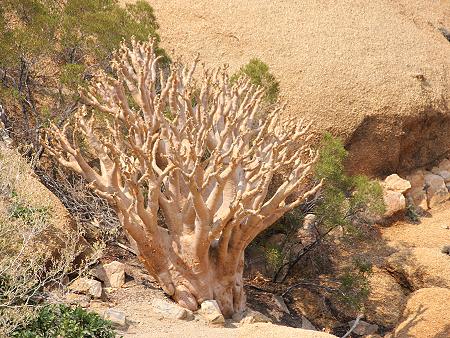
x,y
64,321
49,48
259,75
345,200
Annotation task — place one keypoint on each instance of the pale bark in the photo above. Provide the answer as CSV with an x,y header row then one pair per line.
x,y
208,170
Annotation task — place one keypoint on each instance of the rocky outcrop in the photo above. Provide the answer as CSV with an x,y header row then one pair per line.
x,y
418,268
374,74
386,300
426,315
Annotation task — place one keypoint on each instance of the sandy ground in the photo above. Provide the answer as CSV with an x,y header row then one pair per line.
x,y
431,232
135,301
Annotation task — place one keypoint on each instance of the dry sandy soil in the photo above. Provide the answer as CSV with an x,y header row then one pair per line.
x,y
375,72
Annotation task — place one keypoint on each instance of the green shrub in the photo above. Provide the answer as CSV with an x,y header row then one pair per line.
x,y
64,321
49,48
259,75
345,200
354,284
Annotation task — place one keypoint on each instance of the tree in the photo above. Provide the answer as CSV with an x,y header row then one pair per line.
x,y
48,48
191,191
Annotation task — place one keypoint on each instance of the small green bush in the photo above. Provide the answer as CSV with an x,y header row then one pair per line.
x,y
345,200
259,74
64,321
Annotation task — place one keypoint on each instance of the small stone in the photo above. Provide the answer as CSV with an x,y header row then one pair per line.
x,y
210,310
307,325
116,317
446,249
252,316
169,309
87,286
445,227
279,302
396,183
112,274
363,328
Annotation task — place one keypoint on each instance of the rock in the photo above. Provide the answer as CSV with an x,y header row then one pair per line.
x,y
376,102
420,267
394,201
417,179
210,310
307,325
87,286
436,190
252,317
396,183
116,317
363,328
114,274
445,165
279,302
418,197
171,310
386,299
445,175
426,315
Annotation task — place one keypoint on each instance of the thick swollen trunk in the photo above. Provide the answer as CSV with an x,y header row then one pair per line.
x,y
190,288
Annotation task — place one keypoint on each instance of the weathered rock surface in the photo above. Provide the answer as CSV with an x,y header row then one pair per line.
x,y
251,317
363,328
386,300
420,267
307,325
118,318
170,309
426,315
112,274
396,183
371,73
394,201
279,302
210,310
436,190
87,286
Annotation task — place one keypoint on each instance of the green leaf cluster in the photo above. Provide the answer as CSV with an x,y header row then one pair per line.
x,y
344,198
259,75
49,48
64,321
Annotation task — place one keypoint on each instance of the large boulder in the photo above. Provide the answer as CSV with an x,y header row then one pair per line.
x,y
386,300
373,73
396,183
426,315
27,192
